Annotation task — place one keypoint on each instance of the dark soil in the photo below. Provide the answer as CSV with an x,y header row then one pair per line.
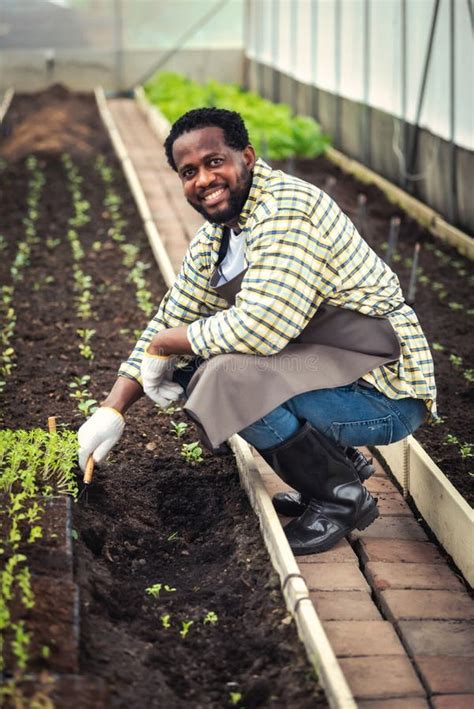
x,y
150,517
447,321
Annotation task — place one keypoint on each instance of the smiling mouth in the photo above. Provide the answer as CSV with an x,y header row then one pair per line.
x,y
214,197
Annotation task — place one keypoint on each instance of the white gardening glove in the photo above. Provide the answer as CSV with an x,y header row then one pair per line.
x,y
99,434
156,372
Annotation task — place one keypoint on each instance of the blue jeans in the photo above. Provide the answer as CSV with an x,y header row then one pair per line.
x,y
352,415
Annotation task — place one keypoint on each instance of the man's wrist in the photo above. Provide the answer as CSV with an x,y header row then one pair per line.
x,y
123,394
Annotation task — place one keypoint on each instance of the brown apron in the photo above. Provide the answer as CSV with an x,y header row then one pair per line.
x,y
338,346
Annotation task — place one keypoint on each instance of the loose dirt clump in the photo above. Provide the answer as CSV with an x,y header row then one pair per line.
x,y
52,121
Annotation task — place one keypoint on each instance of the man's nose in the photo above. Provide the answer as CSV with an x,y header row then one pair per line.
x,y
204,177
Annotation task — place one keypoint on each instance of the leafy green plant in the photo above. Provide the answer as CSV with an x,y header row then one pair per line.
x,y
178,429
185,626
192,452
211,618
165,620
455,360
156,589
274,131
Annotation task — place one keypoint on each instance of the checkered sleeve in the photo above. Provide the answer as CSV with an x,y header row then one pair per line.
x,y
189,299
282,288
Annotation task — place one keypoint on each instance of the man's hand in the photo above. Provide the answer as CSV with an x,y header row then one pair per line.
x,y
156,371
99,434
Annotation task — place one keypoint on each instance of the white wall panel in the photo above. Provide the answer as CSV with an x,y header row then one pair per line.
x,y
352,50
435,111
311,54
303,41
464,99
325,50
284,59
384,62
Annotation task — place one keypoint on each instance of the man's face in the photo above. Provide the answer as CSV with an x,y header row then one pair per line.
x,y
216,179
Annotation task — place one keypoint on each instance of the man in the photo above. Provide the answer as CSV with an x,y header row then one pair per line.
x,y
306,344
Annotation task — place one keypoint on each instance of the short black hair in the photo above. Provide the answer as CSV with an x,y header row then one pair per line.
x,y
235,133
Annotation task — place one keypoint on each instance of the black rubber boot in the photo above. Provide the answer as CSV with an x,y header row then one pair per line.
x,y
338,502
293,504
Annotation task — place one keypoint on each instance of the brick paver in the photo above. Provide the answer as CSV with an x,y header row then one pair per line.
x,y
403,703
438,637
381,677
397,550
453,701
362,638
409,575
430,605
344,605
392,528
384,575
447,675
334,577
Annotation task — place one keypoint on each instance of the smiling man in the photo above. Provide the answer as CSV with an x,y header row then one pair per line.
x,y
299,336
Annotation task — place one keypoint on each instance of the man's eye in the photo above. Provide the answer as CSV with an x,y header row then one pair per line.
x,y
216,161
187,174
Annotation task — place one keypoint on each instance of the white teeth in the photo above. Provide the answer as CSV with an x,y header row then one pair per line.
x,y
213,195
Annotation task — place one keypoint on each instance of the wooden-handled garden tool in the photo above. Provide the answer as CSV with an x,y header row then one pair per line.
x,y
87,479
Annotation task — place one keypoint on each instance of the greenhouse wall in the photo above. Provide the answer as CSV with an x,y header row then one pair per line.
x,y
117,43
390,80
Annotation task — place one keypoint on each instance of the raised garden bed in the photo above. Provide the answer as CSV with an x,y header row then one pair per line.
x,y
212,629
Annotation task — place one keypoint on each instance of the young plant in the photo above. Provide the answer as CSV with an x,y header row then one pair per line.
x,y
178,429
165,620
185,625
211,618
192,452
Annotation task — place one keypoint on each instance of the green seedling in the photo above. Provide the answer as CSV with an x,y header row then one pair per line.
x,y
235,698
154,590
179,429
165,620
465,450
468,374
45,652
455,306
211,618
88,407
173,537
451,440
455,360
437,347
192,452
52,243
185,625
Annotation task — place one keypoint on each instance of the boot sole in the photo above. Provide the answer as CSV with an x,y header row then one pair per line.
x,y
361,524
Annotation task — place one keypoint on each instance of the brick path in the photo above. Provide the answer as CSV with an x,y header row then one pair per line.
x,y
399,619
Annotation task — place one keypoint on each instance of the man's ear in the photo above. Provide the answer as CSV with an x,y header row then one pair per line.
x,y
249,157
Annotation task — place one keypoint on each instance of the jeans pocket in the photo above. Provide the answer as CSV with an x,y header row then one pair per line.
x,y
373,432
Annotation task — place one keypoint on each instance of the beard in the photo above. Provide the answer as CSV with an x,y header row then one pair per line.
x,y
237,198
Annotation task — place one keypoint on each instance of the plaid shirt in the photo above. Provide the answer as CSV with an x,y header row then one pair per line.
x,y
301,250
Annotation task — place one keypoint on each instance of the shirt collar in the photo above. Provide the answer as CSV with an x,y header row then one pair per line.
x,y
261,172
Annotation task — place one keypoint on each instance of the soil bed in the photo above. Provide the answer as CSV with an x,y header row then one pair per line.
x,y
447,320
150,518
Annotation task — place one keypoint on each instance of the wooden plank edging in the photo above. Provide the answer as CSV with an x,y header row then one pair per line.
x,y
442,507
5,105
421,212
295,590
